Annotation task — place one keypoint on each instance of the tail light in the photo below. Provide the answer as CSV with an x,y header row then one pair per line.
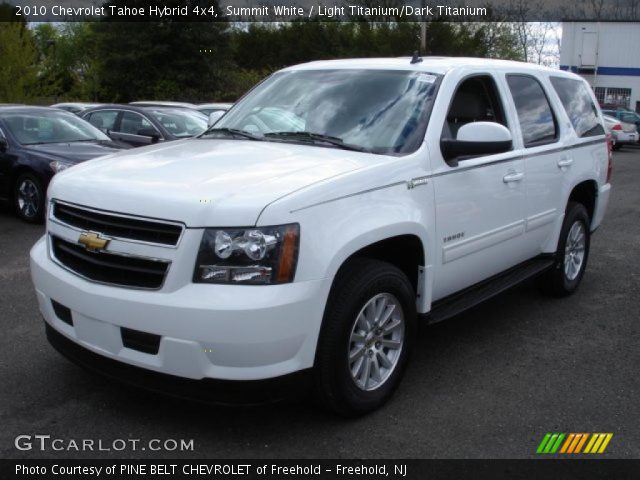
x,y
617,126
609,158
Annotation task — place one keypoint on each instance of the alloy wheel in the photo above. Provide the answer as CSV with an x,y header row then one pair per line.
x,y
376,341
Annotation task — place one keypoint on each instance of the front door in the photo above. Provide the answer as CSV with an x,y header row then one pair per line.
x,y
135,129
6,161
479,201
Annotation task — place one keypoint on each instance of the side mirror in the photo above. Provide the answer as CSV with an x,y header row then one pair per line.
x,y
474,139
151,133
3,144
214,117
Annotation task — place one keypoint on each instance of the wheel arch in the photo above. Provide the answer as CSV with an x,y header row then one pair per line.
x,y
402,245
586,193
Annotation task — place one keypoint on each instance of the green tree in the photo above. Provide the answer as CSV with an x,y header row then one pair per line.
x,y
168,59
18,73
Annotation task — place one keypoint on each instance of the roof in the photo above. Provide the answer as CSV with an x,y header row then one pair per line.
x,y
135,107
76,104
215,105
30,109
440,65
161,103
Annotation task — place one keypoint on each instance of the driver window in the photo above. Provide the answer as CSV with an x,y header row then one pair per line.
x,y
475,100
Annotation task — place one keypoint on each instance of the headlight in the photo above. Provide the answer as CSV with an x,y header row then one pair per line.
x,y
58,165
258,256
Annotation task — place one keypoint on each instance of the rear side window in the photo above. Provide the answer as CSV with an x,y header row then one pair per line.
x,y
133,123
535,115
579,107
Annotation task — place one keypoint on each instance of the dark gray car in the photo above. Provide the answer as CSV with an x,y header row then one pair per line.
x,y
144,125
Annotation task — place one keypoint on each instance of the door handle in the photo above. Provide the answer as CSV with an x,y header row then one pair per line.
x,y
565,162
513,177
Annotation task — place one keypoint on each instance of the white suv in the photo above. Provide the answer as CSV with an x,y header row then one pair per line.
x,y
299,240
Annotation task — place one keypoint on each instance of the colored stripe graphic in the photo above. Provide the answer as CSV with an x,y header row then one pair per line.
x,y
581,443
550,443
573,443
567,443
598,443
543,443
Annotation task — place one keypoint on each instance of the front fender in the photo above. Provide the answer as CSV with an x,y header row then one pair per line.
x,y
334,230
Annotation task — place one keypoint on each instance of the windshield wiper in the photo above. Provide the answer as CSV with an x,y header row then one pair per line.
x,y
231,131
317,138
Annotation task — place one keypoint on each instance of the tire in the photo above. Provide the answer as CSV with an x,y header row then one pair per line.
x,y
562,280
29,198
616,147
364,282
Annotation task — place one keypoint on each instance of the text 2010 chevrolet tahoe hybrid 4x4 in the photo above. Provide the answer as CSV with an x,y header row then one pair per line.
x,y
307,232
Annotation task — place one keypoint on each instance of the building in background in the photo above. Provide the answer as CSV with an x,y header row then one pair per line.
x,y
607,55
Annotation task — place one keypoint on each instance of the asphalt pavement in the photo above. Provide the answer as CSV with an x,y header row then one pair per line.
x,y
486,384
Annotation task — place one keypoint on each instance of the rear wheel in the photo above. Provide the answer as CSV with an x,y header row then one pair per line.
x,y
29,198
572,254
366,337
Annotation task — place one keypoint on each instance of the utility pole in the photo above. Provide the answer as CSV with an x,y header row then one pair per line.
x,y
423,30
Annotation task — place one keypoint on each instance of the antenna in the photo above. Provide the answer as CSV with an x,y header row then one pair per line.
x,y
416,57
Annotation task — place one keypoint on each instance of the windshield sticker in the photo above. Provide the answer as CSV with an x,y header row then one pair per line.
x,y
426,78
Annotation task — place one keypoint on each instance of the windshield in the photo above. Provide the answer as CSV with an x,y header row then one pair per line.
x,y
379,111
51,127
180,122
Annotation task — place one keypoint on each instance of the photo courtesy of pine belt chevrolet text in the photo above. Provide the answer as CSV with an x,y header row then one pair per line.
x,y
294,246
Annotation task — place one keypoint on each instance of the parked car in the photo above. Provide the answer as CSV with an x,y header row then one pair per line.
x,y
162,103
209,108
77,107
36,143
214,111
621,133
615,107
143,125
390,191
625,116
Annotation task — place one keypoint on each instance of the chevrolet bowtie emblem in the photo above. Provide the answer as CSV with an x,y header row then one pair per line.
x,y
92,241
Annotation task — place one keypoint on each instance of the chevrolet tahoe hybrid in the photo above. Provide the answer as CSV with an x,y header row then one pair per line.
x,y
301,238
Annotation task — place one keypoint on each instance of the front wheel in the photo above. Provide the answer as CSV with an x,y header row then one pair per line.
x,y
29,198
572,254
366,337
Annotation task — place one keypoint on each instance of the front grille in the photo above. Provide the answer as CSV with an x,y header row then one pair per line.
x,y
110,268
117,226
140,341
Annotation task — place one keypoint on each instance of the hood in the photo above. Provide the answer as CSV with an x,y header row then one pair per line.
x,y
74,152
203,182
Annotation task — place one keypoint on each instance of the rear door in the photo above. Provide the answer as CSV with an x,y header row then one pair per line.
x,y
547,164
480,200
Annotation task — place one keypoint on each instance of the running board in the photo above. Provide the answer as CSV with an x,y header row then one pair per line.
x,y
478,293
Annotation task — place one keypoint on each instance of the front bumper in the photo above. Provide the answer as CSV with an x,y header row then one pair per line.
x,y
227,332
225,392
